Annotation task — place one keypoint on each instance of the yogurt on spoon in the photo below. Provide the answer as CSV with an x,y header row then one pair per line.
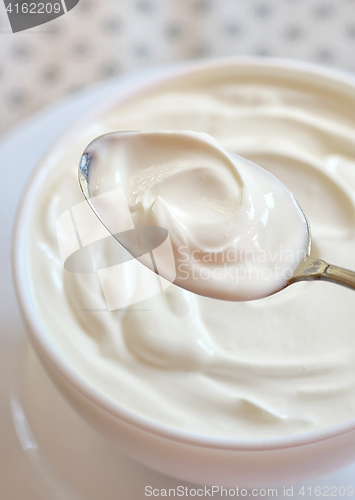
x,y
236,232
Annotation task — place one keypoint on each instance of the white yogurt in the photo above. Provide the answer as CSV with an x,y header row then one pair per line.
x,y
237,232
276,366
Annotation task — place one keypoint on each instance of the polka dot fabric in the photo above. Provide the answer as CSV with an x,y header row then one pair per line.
x,y
101,39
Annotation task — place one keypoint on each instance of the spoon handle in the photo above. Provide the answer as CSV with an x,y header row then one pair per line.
x,y
316,269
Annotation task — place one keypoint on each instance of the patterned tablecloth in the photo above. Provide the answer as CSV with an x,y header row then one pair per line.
x,y
102,38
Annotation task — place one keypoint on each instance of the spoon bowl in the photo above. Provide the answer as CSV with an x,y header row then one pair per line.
x,y
141,241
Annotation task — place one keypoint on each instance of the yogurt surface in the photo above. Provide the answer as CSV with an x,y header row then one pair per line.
x,y
277,366
236,231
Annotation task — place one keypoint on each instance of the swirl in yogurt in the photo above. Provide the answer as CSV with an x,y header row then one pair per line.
x,y
237,232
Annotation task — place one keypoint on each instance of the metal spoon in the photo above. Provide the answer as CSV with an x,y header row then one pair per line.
x,y
134,241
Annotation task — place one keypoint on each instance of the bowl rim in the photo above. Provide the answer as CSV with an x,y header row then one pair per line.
x,y
35,328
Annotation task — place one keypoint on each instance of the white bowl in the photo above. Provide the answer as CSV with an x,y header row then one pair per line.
x,y
184,455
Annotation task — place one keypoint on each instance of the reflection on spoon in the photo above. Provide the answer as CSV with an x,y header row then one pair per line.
x,y
228,229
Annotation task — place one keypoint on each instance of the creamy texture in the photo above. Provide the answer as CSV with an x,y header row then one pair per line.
x,y
237,232
277,366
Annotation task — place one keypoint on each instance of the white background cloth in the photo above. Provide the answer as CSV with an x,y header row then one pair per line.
x,y
102,38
